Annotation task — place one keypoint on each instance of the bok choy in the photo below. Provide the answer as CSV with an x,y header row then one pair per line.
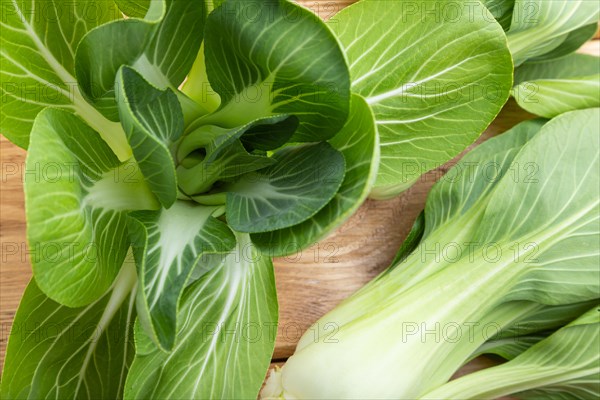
x,y
511,233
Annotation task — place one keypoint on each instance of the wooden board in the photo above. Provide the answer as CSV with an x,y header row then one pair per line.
x,y
309,284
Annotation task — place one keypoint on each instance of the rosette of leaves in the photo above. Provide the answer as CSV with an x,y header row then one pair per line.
x,y
174,146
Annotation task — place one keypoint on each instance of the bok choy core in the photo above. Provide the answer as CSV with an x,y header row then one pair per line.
x,y
499,244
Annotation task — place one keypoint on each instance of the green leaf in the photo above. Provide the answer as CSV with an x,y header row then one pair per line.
x,y
168,244
411,242
541,26
197,87
152,46
509,348
153,121
358,143
215,3
39,39
77,196
571,66
96,71
565,365
502,10
550,88
574,40
275,57
78,353
302,182
134,8
228,153
475,177
464,185
549,318
225,339
434,84
457,202
556,223
524,332
181,28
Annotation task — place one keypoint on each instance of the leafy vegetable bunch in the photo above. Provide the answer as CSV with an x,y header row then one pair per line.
x,y
175,146
495,265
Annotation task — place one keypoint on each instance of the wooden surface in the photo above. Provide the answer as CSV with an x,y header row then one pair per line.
x,y
308,284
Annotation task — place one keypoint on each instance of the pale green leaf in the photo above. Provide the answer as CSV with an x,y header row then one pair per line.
x,y
537,240
475,176
556,223
541,26
77,196
550,88
225,339
434,84
167,245
453,209
511,347
502,10
455,204
302,182
521,334
358,143
574,40
56,352
566,365
574,65
548,318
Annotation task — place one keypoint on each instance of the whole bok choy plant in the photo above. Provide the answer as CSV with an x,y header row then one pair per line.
x,y
171,153
511,235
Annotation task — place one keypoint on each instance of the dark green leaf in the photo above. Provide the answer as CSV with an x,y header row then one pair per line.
x,y
275,57
304,179
153,121
359,145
